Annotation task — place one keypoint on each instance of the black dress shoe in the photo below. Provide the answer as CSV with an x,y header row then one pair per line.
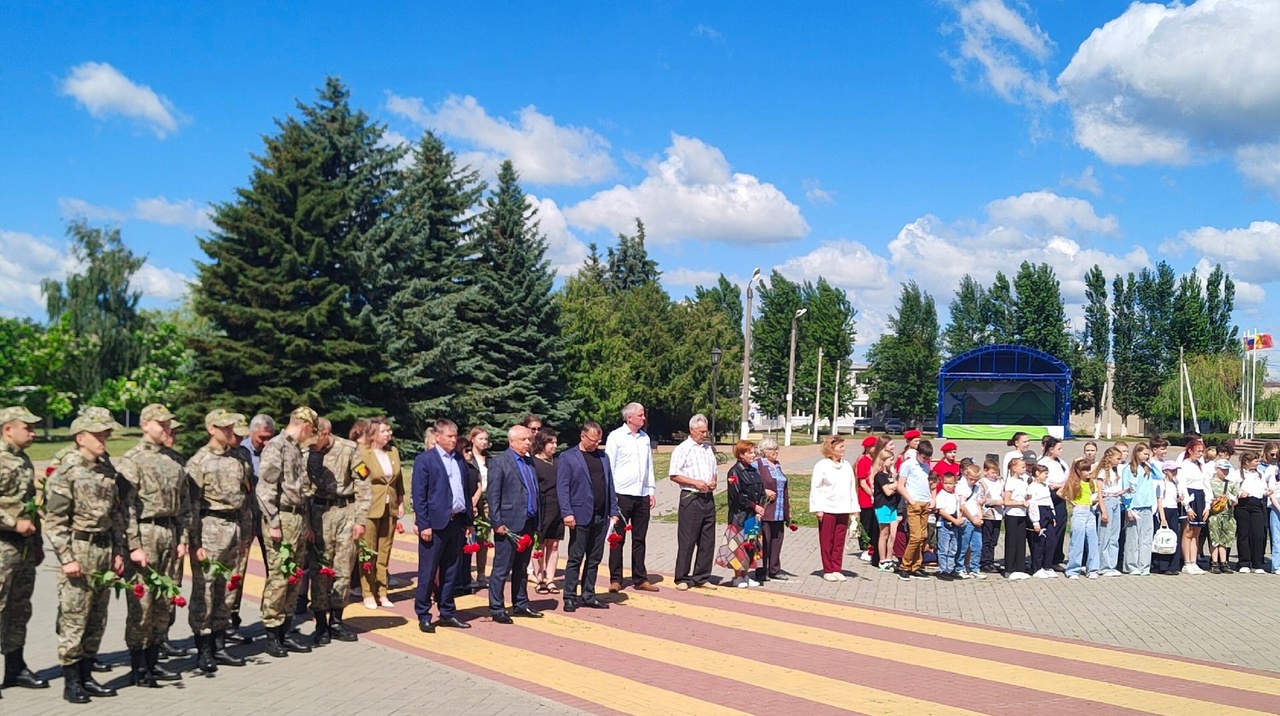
x,y
593,604
779,577
100,667
453,623
526,612
502,618
170,650
570,606
426,628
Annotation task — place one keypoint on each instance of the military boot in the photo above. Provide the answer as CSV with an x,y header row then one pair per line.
x,y
274,647
337,629
321,635
16,672
90,686
159,673
139,674
72,689
204,654
220,653
288,642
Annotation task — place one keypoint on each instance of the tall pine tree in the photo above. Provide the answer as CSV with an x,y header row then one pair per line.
x,y
281,289
418,286
522,352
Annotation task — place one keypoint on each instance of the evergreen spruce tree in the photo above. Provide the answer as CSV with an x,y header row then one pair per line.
x,y
418,286
1220,299
520,346
630,265
1000,309
281,290
1191,316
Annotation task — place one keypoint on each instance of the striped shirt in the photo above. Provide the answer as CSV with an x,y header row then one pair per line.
x,y
693,461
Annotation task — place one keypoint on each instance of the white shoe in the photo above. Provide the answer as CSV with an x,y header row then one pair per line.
x,y
840,577
977,575
1073,576
1112,573
831,577
741,583
1019,575
866,556
752,583
1188,568
1244,570
1042,574
1195,569
962,574
1093,575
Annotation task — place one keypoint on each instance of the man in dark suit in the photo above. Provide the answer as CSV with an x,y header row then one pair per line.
x,y
584,484
442,516
513,512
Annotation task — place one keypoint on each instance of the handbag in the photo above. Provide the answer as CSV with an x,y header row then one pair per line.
x,y
1165,541
1220,502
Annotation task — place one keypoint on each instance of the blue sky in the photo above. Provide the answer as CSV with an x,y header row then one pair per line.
x,y
869,143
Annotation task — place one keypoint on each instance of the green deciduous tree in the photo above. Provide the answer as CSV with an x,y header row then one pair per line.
x,y
726,296
780,298
969,326
1091,379
1220,299
1040,321
904,362
1001,309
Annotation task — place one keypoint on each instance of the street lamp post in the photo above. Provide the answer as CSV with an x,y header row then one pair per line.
x,y
715,373
817,399
791,374
745,426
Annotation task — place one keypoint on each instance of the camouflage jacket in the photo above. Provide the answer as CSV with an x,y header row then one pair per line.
x,y
340,472
17,485
159,489
219,481
84,496
282,478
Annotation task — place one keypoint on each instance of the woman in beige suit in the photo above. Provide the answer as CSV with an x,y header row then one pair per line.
x,y
386,508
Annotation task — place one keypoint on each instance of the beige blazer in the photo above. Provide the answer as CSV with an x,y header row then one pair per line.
x,y
383,486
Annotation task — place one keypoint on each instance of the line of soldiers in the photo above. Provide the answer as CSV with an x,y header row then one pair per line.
x,y
136,519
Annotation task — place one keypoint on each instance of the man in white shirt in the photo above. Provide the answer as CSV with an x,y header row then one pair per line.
x,y
631,457
693,468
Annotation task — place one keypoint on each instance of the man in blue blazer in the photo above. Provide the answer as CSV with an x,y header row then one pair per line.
x,y
443,518
513,512
584,484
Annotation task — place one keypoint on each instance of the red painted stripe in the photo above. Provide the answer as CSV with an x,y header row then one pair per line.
x,y
927,684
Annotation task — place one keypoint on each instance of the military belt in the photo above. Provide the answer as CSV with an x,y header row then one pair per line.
x,y
229,515
170,522
101,539
293,510
335,501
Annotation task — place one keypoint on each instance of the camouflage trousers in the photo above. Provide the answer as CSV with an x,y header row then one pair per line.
x,y
211,602
281,593
17,582
332,529
149,617
248,523
82,610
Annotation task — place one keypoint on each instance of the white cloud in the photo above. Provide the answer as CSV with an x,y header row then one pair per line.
x,y
708,32
542,151
1003,45
187,213
847,264
1085,182
1060,214
25,260
1250,253
1248,293
814,192
104,91
565,251
160,283
1180,83
692,195
690,277
72,208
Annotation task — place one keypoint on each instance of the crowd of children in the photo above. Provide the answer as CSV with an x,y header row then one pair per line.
x,y
1126,511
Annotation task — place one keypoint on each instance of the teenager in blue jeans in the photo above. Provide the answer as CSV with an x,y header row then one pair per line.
x,y
971,529
951,522
1079,492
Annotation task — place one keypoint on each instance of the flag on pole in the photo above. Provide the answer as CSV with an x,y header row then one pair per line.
x,y
1258,342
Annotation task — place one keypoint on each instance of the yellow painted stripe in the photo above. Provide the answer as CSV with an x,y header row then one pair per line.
x,y
1145,663
801,684
985,669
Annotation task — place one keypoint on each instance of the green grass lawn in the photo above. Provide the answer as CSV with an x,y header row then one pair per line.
x,y
58,438
797,485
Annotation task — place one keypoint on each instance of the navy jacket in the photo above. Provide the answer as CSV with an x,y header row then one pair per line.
x,y
507,496
432,494
573,486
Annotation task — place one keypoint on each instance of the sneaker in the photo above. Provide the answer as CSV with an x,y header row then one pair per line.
x,y
1073,576
741,583
682,586
831,577
1111,573
1195,569
977,575
1044,574
1187,568
1093,575
904,576
1014,576
707,586
840,577
962,574
1244,570
752,583
866,557
946,577
919,574
886,566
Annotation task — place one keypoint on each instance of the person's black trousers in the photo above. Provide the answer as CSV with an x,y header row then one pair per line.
x,y
508,564
695,529
867,518
1169,562
771,534
1042,546
1251,532
586,544
635,512
1060,517
1015,543
990,535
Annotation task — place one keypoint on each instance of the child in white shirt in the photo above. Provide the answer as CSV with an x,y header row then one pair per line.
x,y
972,495
992,513
1015,519
947,505
1041,532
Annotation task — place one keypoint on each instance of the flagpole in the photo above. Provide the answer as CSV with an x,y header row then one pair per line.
x,y
1253,389
1182,404
1244,382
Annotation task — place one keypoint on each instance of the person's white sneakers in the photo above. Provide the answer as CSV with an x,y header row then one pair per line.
x,y
977,575
866,556
1186,568
752,583
964,575
1019,575
831,577
1093,575
1112,573
1244,570
1194,569
840,577
1073,576
1045,574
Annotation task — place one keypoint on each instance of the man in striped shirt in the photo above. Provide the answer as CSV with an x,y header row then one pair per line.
x,y
693,468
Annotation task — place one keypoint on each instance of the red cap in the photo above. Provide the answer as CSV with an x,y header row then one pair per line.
x,y
948,447
911,435
870,441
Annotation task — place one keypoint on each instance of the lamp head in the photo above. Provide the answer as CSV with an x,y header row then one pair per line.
x,y
715,357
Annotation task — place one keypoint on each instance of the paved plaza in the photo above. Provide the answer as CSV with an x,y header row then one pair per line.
x,y
873,645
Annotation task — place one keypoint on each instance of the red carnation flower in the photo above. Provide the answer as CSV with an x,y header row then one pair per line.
x,y
524,543
732,479
298,572
232,586
399,528
615,540
366,566
49,470
327,572
139,591
793,527
179,602
537,554
293,579
628,528
471,548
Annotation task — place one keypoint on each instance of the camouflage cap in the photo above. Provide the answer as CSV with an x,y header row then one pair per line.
x,y
156,412
222,418
241,428
306,415
94,420
17,412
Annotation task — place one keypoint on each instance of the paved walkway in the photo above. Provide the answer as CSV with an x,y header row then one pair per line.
x,y
871,645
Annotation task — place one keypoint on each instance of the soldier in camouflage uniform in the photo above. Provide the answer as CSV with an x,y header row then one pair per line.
x,y
283,488
338,510
220,494
158,520
21,544
258,430
85,521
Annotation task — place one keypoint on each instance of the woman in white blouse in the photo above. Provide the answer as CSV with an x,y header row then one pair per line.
x,y
833,498
1251,515
1021,443
1193,483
